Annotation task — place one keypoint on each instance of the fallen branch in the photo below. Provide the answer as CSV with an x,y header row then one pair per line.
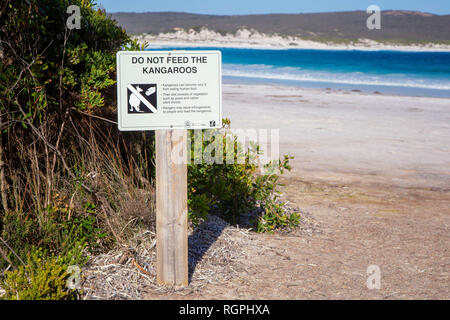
x,y
140,268
11,249
94,116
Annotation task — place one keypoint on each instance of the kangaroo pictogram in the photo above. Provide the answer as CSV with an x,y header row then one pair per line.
x,y
135,102
142,98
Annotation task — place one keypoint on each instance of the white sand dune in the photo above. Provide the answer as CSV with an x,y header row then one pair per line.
x,y
245,38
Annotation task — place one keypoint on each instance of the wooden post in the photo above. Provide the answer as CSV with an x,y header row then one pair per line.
x,y
171,208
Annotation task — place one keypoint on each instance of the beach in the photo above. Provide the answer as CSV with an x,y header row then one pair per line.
x,y
371,182
370,135
350,137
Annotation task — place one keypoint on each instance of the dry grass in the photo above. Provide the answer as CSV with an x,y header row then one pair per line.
x,y
219,254
122,185
215,256
107,170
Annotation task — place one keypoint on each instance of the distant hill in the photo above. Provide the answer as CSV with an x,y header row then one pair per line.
x,y
403,26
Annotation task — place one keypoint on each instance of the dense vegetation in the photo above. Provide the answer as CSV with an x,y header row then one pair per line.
x,y
71,184
396,26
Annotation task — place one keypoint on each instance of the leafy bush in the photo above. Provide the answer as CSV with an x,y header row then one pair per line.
x,y
43,277
231,190
48,75
53,231
62,174
274,217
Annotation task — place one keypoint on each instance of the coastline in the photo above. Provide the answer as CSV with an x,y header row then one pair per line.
x,y
250,39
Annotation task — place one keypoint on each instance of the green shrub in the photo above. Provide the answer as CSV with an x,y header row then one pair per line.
x,y
54,232
274,217
42,278
47,74
231,190
54,83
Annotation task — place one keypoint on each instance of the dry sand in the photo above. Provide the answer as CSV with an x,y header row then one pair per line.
x,y
342,136
371,177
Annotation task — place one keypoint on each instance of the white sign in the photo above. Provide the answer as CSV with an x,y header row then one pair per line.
x,y
169,90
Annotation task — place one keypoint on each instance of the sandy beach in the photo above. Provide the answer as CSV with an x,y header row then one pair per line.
x,y
344,136
370,182
371,176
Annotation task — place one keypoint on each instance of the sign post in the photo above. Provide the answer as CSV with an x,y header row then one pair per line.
x,y
171,208
170,92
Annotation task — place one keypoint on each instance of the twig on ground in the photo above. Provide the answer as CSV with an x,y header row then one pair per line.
x,y
7,245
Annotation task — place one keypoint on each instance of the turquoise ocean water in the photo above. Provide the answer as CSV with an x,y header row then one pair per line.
x,y
392,72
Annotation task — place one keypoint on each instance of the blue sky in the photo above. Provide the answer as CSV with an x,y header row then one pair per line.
x,y
226,7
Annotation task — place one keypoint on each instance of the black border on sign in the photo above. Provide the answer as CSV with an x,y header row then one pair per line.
x,y
119,96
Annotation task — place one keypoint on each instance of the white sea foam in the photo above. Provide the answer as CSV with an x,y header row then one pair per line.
x,y
357,78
